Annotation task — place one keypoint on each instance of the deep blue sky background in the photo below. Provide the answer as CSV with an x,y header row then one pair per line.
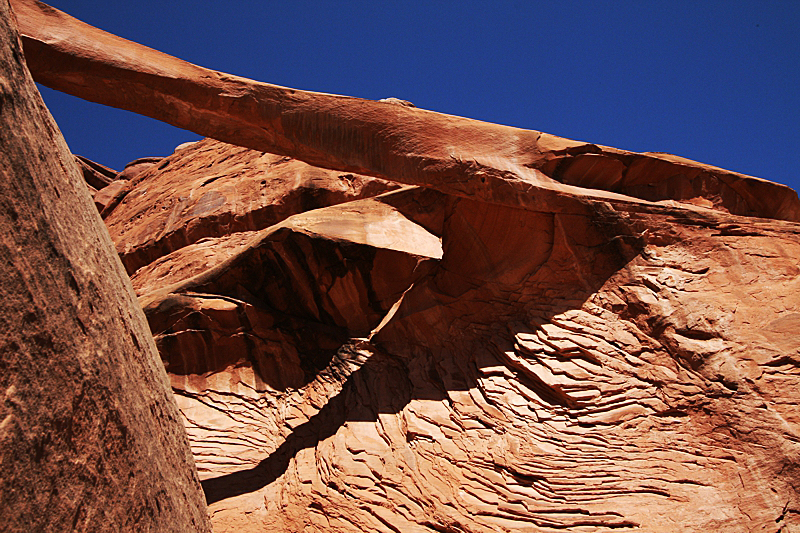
x,y
715,81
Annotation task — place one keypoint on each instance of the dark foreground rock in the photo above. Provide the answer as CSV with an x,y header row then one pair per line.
x,y
90,437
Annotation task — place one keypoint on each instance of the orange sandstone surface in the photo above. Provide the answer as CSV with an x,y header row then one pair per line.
x,y
380,318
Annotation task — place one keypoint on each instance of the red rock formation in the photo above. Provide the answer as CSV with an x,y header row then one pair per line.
x,y
90,437
137,166
604,341
488,162
247,191
95,175
593,370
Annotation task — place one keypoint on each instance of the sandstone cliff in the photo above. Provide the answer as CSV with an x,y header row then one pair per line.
x,y
534,334
418,361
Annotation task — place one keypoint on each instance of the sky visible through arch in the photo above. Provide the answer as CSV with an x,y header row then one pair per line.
x,y
714,81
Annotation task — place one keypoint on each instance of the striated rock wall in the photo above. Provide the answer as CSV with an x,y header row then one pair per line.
x,y
90,437
423,362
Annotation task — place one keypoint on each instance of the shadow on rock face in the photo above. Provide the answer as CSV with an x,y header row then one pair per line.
x,y
537,357
429,348
502,269
281,301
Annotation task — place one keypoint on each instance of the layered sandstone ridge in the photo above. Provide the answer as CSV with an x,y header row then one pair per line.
x,y
417,361
537,335
245,191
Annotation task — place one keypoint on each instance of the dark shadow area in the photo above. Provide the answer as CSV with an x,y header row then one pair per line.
x,y
321,426
193,339
404,368
390,377
384,384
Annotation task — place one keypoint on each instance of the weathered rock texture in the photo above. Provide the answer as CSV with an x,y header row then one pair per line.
x,y
245,191
596,370
549,336
90,436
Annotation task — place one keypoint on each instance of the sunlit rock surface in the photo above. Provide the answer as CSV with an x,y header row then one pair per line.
x,y
539,335
422,362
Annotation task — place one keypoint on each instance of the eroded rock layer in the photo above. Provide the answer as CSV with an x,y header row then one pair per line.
x,y
245,191
422,362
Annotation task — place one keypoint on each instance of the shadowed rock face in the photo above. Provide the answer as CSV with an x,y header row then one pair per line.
x,y
547,335
90,437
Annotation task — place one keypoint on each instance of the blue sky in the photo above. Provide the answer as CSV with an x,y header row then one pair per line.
x,y
718,82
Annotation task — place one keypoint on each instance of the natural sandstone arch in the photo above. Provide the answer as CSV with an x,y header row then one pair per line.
x,y
460,156
592,361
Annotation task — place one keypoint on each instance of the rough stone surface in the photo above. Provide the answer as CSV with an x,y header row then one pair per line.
x,y
313,281
95,175
601,370
107,198
137,166
420,361
90,436
549,336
